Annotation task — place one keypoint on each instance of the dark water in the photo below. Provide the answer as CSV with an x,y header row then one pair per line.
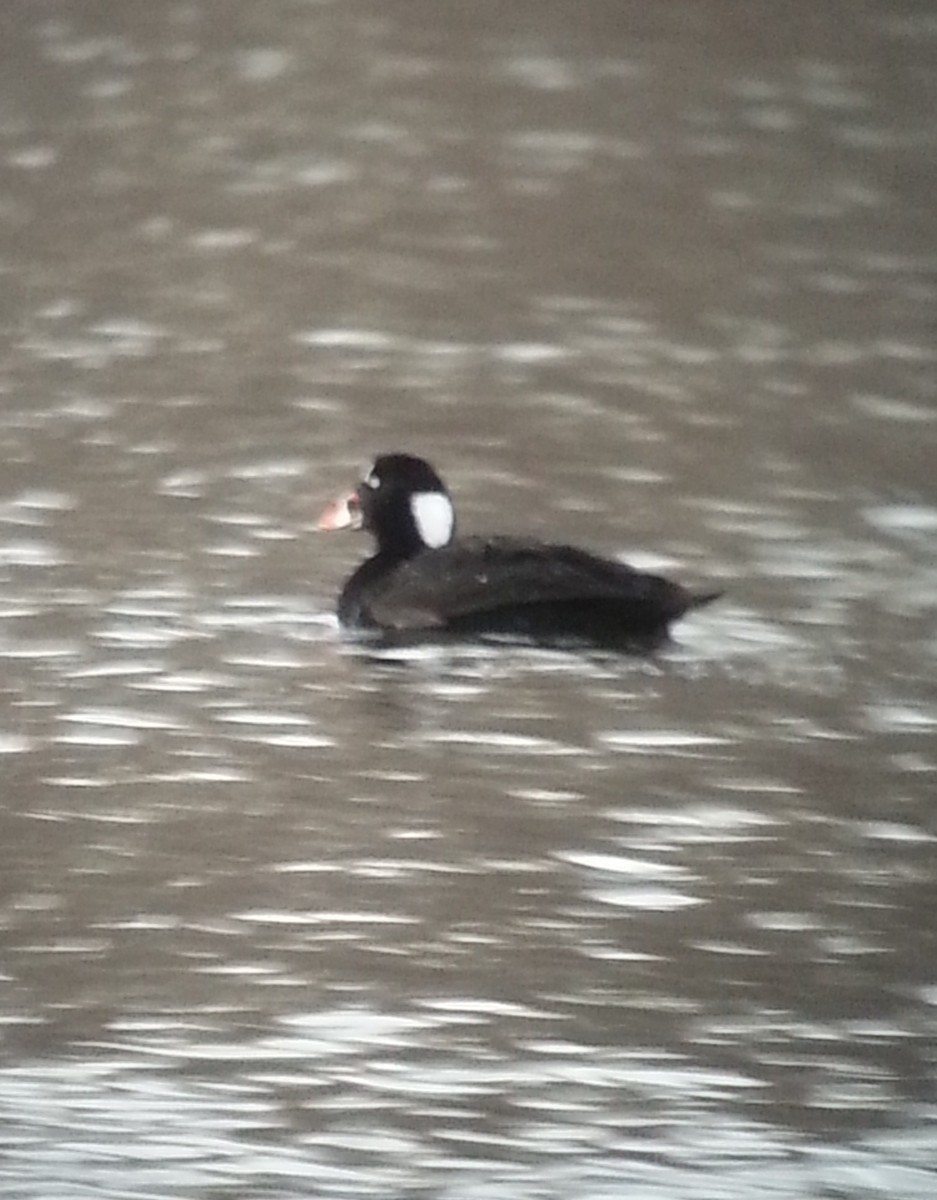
x,y
284,918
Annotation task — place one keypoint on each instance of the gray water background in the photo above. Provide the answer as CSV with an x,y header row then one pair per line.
x,y
281,917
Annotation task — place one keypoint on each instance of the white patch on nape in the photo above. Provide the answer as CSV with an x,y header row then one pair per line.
x,y
434,518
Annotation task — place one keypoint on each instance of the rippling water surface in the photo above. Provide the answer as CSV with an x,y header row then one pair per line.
x,y
282,916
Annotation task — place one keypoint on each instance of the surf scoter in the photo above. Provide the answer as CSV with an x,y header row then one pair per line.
x,y
424,580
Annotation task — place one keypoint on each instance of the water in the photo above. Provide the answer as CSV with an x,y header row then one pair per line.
x,y
283,916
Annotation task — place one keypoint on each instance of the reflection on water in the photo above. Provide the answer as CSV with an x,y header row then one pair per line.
x,y
282,915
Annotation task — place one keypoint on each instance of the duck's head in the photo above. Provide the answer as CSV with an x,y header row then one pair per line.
x,y
401,502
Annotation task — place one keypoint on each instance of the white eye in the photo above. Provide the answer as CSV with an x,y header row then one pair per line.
x,y
372,481
434,518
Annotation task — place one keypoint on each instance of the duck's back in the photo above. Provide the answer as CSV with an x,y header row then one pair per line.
x,y
519,587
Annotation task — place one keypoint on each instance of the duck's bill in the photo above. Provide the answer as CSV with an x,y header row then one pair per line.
x,y
344,513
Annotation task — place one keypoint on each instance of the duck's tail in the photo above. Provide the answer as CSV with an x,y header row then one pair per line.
x,y
698,599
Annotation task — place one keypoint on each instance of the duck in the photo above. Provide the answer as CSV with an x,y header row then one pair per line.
x,y
424,581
